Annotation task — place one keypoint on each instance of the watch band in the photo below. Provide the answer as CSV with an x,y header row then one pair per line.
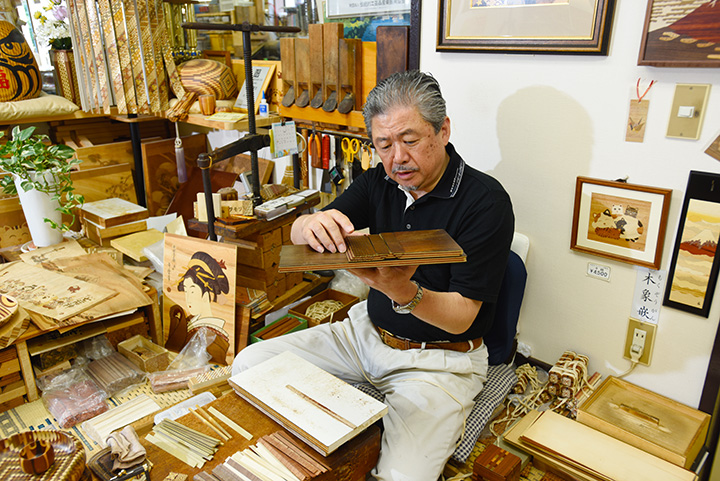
x,y
408,308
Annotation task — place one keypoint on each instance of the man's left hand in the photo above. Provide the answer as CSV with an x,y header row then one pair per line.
x,y
394,282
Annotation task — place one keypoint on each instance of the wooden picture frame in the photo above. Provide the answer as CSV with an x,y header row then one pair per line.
x,y
199,281
679,36
694,266
580,27
620,221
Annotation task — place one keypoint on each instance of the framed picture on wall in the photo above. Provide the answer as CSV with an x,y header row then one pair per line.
x,y
680,34
525,26
620,221
694,267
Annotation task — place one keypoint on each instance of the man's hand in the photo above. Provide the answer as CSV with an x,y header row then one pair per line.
x,y
394,282
324,230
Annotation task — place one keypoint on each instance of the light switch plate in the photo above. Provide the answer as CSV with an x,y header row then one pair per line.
x,y
688,95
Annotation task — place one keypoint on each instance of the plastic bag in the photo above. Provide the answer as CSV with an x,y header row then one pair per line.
x,y
349,283
115,373
96,347
72,397
192,360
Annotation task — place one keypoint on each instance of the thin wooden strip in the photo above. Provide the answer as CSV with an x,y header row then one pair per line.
x,y
186,431
263,473
185,444
133,36
207,423
98,56
296,453
294,466
260,456
175,451
212,421
381,248
232,464
222,472
320,406
231,424
113,58
290,442
203,476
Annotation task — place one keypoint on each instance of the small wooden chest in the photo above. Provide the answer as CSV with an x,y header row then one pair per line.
x,y
496,464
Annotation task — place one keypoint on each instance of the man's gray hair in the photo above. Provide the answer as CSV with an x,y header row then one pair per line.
x,y
407,89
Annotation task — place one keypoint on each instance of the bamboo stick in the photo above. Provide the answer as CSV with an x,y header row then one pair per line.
x,y
207,423
212,421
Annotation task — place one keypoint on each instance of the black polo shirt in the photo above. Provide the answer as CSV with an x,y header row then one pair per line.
x,y
470,206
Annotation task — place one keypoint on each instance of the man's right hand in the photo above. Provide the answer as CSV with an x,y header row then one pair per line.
x,y
324,230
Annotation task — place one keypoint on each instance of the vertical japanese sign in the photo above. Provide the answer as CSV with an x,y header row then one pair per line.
x,y
648,297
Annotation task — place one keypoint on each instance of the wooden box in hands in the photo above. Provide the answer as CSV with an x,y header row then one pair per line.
x,y
644,419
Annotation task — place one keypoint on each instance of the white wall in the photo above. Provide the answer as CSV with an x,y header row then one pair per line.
x,y
538,122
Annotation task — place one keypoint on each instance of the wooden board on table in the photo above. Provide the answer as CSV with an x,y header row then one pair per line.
x,y
49,293
597,453
160,169
132,245
315,405
111,212
67,248
377,250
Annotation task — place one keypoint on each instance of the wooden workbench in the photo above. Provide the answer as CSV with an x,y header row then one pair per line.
x,y
351,462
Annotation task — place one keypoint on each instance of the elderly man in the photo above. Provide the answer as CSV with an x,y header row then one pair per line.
x,y
418,337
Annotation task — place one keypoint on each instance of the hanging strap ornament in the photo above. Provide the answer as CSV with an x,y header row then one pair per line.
x,y
637,89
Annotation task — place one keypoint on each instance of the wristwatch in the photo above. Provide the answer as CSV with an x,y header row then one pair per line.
x,y
408,308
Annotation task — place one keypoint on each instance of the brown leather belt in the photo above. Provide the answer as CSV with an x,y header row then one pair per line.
x,y
395,342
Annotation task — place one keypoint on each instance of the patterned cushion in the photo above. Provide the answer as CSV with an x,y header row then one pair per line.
x,y
19,73
501,379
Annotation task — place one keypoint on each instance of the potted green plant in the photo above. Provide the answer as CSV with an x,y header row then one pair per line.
x,y
40,176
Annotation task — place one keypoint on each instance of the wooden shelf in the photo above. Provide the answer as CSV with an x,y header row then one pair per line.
x,y
201,120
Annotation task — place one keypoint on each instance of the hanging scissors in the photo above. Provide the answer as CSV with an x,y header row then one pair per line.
x,y
350,147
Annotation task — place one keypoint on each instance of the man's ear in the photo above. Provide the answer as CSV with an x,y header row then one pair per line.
x,y
445,130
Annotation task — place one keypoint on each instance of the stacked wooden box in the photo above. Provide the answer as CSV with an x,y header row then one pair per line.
x,y
347,300
12,386
108,219
258,257
496,464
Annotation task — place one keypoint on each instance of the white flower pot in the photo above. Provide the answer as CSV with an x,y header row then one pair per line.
x,y
38,206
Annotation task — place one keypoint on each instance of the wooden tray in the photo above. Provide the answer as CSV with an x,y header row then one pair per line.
x,y
69,462
377,250
651,422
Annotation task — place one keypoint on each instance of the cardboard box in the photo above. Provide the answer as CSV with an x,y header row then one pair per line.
x,y
347,300
145,354
285,325
651,422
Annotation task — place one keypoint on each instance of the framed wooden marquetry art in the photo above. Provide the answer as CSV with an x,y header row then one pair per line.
x,y
694,267
199,282
525,26
620,221
681,34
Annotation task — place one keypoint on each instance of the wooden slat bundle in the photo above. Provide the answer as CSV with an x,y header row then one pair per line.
x,y
114,373
190,446
162,381
100,427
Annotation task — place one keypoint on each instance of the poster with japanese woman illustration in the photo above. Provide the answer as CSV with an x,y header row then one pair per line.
x,y
199,291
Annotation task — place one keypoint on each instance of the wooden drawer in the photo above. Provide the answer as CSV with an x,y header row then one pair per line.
x,y
644,419
347,300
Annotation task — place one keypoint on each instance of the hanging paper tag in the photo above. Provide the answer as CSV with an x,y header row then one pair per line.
x,y
637,114
284,139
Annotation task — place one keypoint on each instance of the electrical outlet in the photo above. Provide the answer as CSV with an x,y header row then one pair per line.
x,y
640,334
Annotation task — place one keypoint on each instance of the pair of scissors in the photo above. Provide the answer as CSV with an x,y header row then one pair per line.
x,y
350,147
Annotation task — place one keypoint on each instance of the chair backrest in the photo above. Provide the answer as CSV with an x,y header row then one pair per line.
x,y
500,340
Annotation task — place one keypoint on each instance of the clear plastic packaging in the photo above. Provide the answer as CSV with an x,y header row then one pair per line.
x,y
72,397
192,360
115,373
